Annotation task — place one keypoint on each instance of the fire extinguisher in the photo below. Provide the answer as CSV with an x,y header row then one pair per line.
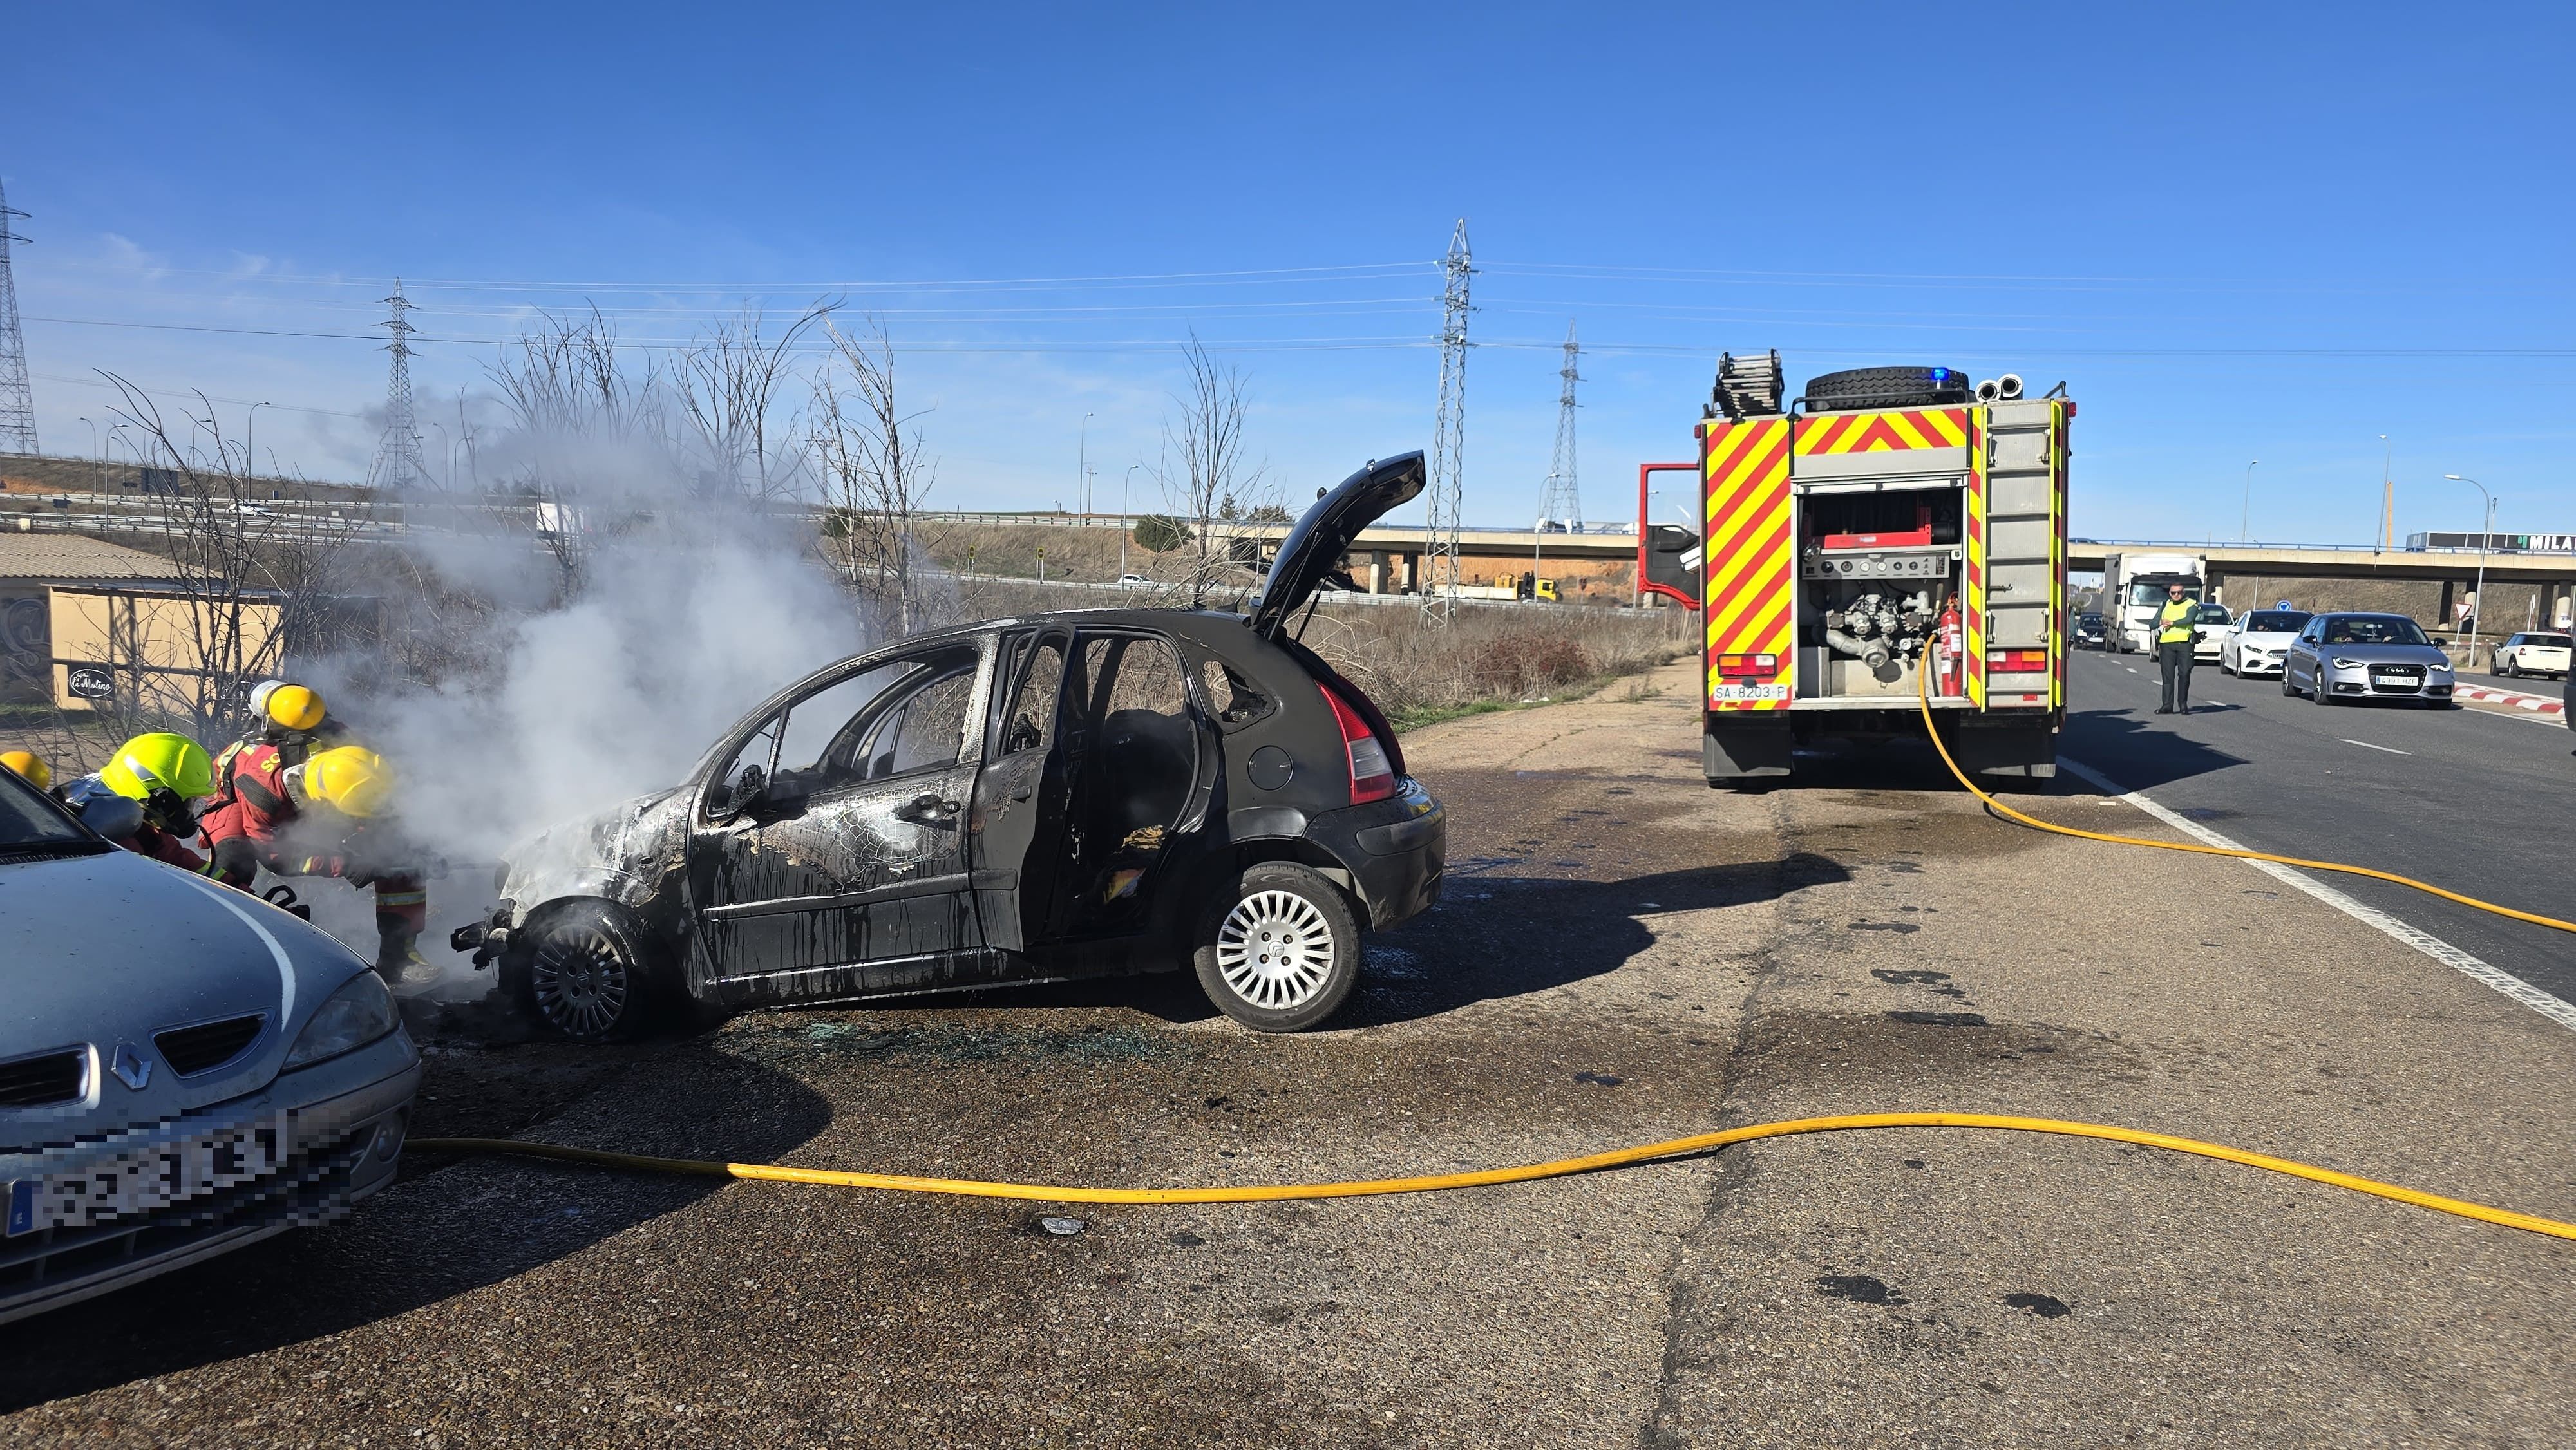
x,y
1948,674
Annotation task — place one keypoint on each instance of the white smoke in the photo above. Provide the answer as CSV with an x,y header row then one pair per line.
x,y
694,596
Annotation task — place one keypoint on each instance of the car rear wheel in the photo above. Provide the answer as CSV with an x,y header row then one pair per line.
x,y
588,973
1280,951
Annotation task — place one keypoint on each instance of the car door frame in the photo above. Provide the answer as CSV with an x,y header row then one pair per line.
x,y
1019,794
2308,642
826,915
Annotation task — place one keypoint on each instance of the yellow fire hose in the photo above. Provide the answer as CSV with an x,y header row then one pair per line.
x,y
1617,1157
1923,694
1560,1168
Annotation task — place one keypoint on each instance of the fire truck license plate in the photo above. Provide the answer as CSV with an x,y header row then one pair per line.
x,y
1748,692
147,1176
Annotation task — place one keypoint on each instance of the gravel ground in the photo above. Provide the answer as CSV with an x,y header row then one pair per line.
x,y
1623,955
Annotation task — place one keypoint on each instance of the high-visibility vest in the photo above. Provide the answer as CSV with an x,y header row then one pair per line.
x,y
2174,621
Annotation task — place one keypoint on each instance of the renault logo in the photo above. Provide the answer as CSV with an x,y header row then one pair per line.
x,y
132,1068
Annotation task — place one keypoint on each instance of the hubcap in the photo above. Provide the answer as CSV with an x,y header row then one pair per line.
x,y
1275,950
580,983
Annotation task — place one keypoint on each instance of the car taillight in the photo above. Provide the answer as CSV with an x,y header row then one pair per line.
x,y
1372,777
1748,667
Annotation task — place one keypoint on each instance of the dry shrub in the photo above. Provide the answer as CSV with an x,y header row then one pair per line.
x,y
1417,667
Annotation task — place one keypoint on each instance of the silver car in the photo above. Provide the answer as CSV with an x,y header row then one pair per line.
x,y
2366,657
184,1068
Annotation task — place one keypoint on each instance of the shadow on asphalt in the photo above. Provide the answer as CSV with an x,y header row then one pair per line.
x,y
1561,932
2140,753
1553,933
427,1238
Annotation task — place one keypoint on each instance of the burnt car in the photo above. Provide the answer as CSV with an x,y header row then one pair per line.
x,y
1055,796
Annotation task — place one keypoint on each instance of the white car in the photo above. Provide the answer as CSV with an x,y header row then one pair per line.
x,y
2255,641
2211,635
2533,654
1134,581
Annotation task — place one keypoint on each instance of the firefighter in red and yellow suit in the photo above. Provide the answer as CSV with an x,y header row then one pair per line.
x,y
323,817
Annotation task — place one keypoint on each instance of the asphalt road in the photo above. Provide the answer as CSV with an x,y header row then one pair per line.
x,y
2473,799
1623,955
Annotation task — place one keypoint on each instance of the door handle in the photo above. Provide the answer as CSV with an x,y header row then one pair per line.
x,y
928,809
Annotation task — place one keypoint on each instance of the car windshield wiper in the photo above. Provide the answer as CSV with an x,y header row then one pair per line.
x,y
53,848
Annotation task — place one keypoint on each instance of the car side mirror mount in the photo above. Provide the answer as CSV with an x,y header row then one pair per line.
x,y
783,798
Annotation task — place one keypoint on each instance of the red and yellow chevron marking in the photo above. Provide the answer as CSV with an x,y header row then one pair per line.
x,y
1972,607
1750,562
1882,432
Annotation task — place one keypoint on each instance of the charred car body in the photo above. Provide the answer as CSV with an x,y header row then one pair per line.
x,y
1089,793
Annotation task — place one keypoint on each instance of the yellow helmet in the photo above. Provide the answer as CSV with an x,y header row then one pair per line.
x,y
350,778
30,767
157,762
294,707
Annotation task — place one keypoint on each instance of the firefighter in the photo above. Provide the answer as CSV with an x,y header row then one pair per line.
x,y
289,716
166,774
2177,633
30,767
323,816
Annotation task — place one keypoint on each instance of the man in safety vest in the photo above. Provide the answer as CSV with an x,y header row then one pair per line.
x,y
322,817
2177,633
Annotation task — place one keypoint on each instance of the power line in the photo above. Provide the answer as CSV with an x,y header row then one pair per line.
x,y
1442,521
1561,502
398,464
17,400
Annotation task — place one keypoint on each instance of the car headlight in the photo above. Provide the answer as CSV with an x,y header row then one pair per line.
x,y
2344,664
359,1013
2443,668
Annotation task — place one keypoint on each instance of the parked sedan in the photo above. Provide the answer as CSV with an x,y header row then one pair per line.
x,y
2365,656
184,1068
2255,642
2533,654
2210,635
1034,799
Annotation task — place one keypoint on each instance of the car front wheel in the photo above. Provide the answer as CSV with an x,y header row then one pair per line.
x,y
1280,951
588,973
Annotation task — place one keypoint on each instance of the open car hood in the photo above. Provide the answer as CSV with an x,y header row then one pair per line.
x,y
1314,548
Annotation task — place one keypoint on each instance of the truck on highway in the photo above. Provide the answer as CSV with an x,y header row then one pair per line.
x,y
2133,589
1888,531
1525,587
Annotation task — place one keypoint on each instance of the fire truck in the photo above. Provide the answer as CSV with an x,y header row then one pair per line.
x,y
1885,523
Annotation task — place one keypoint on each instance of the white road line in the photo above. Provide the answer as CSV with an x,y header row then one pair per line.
x,y
2474,968
2132,669
2366,745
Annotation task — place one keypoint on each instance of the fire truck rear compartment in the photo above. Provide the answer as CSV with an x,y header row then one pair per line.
x,y
1875,569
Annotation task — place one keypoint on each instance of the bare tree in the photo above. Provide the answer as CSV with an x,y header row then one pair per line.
x,y
250,589
728,390
875,476
1203,462
576,407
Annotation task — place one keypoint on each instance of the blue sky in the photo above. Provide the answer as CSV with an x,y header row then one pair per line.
x,y
2236,232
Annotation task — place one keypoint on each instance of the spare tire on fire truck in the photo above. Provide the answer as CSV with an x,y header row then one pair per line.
x,y
1887,388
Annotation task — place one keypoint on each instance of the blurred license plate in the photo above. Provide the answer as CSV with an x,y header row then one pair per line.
x,y
125,1181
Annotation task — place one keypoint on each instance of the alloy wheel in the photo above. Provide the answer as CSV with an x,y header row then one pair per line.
x,y
581,983
1275,950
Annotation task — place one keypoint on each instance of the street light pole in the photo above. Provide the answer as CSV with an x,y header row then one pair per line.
x,y
2245,519
1124,527
2478,611
1082,466
93,463
250,425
